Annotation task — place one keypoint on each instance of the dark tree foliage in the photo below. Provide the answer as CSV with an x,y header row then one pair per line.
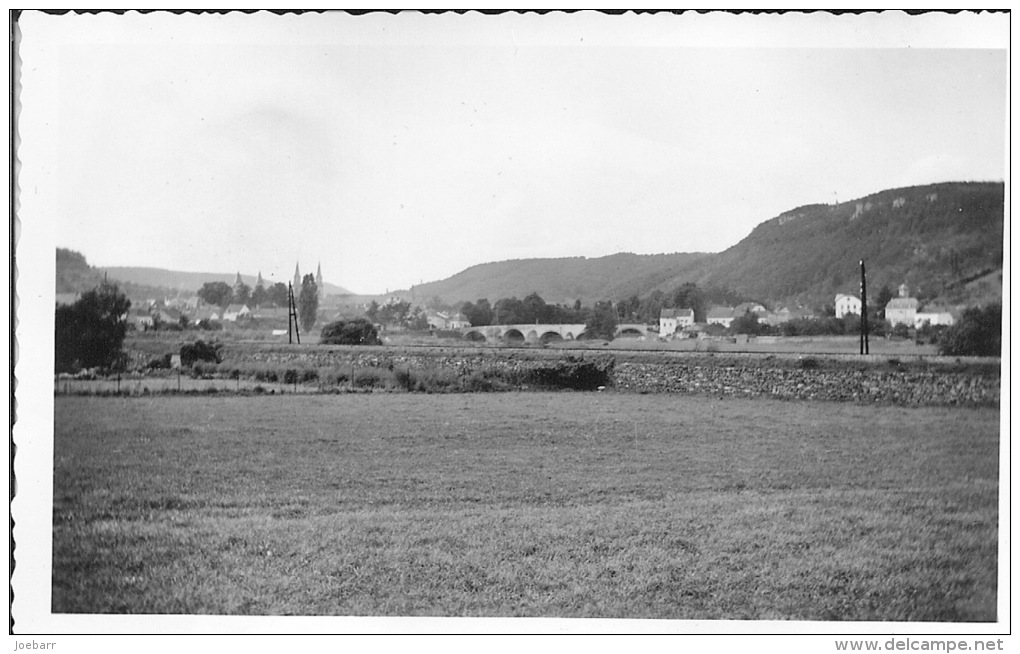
x,y
353,332
979,333
277,294
602,321
241,294
200,351
689,296
90,332
259,296
394,313
308,302
747,324
372,311
574,373
478,314
216,293
885,294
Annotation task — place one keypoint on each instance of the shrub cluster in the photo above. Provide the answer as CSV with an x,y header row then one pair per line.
x,y
200,351
574,373
351,332
979,333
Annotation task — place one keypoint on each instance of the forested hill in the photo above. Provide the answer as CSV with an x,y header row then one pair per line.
x,y
562,281
935,238
938,238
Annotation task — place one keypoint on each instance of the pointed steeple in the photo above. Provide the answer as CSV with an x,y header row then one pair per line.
x,y
237,280
318,276
258,282
297,278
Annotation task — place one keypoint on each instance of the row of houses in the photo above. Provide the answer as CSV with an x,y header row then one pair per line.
x,y
147,317
672,321
443,320
902,310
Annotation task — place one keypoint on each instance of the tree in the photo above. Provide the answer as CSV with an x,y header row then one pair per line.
x,y
308,302
884,296
394,313
747,324
602,321
534,309
277,294
241,294
216,293
509,311
259,296
979,333
353,332
90,332
689,296
418,320
372,311
478,314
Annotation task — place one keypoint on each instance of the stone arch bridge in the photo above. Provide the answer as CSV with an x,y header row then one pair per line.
x,y
530,333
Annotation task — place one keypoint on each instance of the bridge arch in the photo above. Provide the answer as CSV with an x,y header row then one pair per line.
x,y
513,335
475,336
551,337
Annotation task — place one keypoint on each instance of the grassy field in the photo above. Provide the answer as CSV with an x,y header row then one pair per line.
x,y
537,504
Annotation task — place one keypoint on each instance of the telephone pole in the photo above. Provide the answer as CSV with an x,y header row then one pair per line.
x,y
292,318
864,311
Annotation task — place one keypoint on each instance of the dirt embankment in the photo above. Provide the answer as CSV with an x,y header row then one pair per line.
x,y
888,381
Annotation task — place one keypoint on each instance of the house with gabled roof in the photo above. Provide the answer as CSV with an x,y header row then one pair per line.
x,y
902,310
720,316
207,313
934,316
847,304
235,311
673,320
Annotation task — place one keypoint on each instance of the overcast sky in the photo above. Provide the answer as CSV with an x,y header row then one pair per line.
x,y
396,150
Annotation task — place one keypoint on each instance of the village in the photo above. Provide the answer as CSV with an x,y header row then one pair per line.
x,y
264,309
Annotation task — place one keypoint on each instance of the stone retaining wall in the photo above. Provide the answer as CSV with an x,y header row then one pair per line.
x,y
808,378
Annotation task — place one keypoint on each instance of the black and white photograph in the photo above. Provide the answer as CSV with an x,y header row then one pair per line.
x,y
506,322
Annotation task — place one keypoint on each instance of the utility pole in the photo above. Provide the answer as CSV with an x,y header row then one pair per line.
x,y
292,318
864,311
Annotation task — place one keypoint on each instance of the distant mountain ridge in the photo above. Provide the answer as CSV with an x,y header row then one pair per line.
x,y
937,238
191,281
944,240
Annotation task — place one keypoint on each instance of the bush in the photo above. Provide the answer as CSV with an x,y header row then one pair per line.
x,y
352,332
200,351
310,375
574,373
370,378
979,333
290,376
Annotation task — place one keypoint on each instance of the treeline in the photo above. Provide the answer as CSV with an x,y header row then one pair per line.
x,y
221,294
533,309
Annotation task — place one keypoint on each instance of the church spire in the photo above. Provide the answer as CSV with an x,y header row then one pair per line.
x,y
318,277
258,282
297,278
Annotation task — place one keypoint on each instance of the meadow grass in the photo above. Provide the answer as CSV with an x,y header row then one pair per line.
x,y
524,504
